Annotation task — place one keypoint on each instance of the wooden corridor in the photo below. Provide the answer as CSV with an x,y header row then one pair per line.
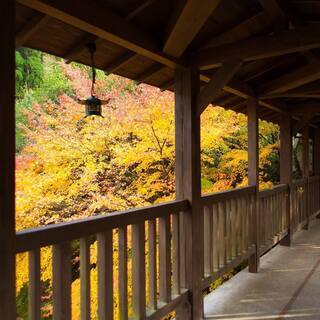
x,y
256,57
287,286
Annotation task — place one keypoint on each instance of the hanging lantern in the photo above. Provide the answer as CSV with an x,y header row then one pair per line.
x,y
93,105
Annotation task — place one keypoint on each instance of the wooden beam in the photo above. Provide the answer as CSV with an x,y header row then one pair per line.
x,y
119,62
149,72
261,47
139,9
316,152
241,31
304,122
95,18
253,177
187,25
276,13
216,84
188,184
167,85
30,28
7,162
79,47
292,80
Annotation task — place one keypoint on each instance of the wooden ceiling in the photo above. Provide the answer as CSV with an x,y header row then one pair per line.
x,y
269,49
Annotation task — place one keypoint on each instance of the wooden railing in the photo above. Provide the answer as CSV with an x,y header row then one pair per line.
x,y
299,198
227,221
273,220
155,243
150,241
314,195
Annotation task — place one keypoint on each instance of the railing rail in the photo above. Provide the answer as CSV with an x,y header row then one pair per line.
x,y
154,241
272,213
227,234
149,240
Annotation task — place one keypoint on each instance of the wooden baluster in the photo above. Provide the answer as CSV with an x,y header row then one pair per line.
x,y
228,231
152,265
34,293
105,275
215,227
233,227
176,286
207,241
243,223
61,281
221,240
85,278
239,233
164,259
138,271
123,273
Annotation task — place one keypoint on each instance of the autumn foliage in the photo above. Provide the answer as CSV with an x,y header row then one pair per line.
x,y
70,167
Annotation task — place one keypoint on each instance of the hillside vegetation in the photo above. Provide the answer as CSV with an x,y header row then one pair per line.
x,y
70,167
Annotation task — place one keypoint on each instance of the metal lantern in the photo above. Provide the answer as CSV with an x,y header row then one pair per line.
x,y
93,105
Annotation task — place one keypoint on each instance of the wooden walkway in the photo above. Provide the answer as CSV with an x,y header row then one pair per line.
x,y
287,287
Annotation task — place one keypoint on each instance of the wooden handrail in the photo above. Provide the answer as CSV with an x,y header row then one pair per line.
x,y
226,195
274,190
33,238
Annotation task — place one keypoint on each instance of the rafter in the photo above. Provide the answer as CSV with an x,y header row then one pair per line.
x,y
241,31
278,44
30,28
274,10
76,50
188,23
216,84
94,18
297,78
149,72
79,47
119,62
166,85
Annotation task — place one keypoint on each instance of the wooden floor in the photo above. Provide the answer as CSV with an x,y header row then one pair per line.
x,y
287,287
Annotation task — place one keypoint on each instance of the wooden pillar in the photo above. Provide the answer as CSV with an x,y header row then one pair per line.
x,y
7,160
253,176
188,184
316,160
316,152
305,167
286,170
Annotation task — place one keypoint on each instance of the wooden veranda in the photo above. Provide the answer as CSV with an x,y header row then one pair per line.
x,y
258,57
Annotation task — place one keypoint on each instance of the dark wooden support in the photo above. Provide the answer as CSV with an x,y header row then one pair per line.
x,y
286,171
216,84
253,177
188,184
7,161
316,159
149,72
75,51
261,47
119,62
292,80
305,166
186,26
32,26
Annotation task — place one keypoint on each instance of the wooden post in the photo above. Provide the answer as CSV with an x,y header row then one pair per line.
x,y
305,168
286,171
7,160
253,177
188,184
316,152
316,160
